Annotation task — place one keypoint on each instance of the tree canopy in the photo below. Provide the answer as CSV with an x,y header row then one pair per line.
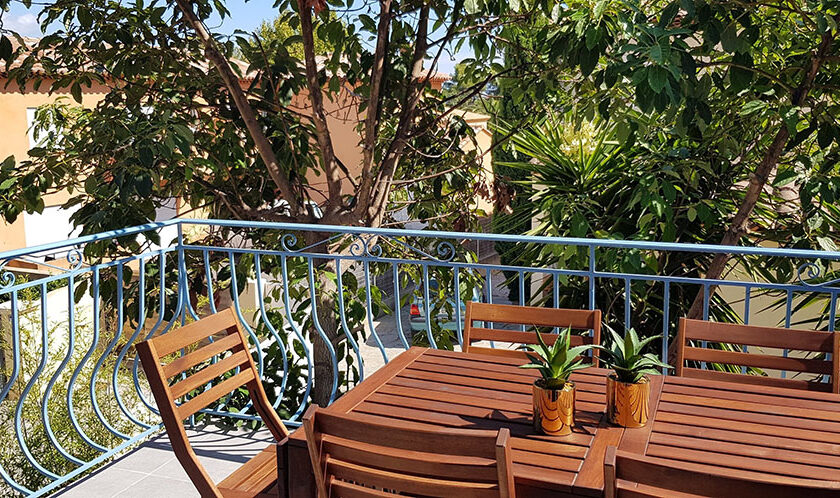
x,y
711,108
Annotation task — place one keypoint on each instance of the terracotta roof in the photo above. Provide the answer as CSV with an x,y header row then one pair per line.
x,y
30,42
39,69
437,76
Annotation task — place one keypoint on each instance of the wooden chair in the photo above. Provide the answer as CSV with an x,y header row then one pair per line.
x,y
364,456
628,475
767,337
258,476
530,316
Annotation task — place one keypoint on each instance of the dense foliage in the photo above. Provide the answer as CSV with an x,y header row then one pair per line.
x,y
686,121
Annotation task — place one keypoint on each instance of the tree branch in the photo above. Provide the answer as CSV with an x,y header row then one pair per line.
x,y
759,177
231,81
319,116
372,116
373,208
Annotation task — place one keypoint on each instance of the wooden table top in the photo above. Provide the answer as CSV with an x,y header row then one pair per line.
x,y
756,429
453,389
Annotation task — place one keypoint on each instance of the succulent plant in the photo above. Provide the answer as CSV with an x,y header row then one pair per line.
x,y
625,357
556,362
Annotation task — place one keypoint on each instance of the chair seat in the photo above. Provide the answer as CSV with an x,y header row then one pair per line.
x,y
255,478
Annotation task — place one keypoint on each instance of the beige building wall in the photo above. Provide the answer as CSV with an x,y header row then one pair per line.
x,y
343,121
14,130
483,143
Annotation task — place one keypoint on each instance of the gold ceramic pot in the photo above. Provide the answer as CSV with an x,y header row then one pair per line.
x,y
554,409
627,404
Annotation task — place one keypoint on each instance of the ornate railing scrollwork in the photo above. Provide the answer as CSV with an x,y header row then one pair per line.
x,y
812,274
7,278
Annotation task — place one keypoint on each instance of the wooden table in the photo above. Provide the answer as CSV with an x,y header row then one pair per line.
x,y
453,389
755,429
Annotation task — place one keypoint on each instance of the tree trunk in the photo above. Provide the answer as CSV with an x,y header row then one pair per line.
x,y
758,179
324,296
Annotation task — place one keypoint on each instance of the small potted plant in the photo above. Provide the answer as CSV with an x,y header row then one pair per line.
x,y
628,387
554,393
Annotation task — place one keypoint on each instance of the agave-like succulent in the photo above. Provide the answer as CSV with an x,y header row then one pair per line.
x,y
556,362
626,359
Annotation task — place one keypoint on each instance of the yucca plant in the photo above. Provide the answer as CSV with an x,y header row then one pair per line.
x,y
556,362
625,357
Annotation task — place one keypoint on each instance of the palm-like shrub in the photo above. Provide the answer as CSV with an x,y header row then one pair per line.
x,y
625,357
556,362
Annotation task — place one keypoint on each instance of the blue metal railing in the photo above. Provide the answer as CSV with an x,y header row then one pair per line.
x,y
323,307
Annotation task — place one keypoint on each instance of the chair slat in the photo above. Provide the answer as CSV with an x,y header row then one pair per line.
x,y
189,360
533,315
402,460
764,337
214,393
698,373
194,332
425,486
350,490
439,440
528,316
210,372
771,337
759,360
361,453
630,475
517,337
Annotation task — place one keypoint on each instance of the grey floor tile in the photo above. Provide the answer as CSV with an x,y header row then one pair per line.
x,y
152,470
145,459
106,482
159,487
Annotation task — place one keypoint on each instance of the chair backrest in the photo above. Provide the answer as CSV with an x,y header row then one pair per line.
x,y
530,316
629,475
363,456
818,341
217,336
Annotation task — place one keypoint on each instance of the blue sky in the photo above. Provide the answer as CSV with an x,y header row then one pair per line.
x,y
246,16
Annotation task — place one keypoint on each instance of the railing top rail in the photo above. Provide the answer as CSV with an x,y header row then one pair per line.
x,y
392,232
86,239
490,237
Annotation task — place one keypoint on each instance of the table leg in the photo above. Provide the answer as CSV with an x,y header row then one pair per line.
x,y
298,479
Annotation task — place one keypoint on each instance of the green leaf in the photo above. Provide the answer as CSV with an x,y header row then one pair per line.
x,y
668,14
5,48
740,78
753,107
688,7
656,54
825,135
826,244
729,38
472,6
76,92
657,78
147,157
588,61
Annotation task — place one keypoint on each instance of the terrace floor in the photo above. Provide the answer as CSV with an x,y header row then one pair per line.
x,y
151,470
